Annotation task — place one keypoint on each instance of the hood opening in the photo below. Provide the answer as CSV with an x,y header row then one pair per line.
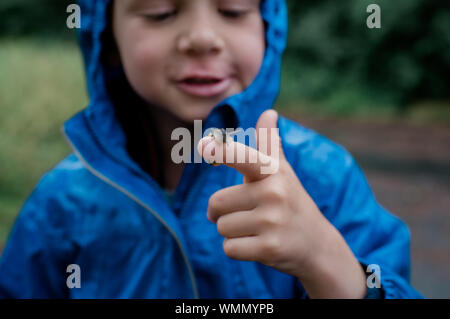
x,y
118,120
131,111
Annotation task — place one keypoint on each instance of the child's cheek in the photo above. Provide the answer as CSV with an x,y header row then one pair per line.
x,y
250,58
147,55
251,64
144,67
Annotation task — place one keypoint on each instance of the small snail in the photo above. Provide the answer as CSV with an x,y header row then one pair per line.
x,y
221,136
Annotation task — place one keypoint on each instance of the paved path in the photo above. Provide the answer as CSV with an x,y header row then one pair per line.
x,y
408,168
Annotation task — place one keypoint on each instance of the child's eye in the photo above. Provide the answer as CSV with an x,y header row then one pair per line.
x,y
232,13
161,16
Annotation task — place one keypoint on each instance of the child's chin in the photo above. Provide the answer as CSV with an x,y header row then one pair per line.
x,y
190,114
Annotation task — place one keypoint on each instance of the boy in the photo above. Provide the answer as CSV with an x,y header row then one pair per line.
x,y
140,226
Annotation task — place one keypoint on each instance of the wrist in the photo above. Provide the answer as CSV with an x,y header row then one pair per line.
x,y
332,271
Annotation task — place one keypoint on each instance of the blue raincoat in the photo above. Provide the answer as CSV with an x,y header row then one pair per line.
x,y
100,210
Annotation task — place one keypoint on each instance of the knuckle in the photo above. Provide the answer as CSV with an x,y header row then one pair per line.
x,y
216,202
273,219
228,248
221,227
271,246
275,194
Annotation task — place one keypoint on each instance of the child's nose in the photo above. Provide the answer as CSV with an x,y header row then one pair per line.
x,y
200,40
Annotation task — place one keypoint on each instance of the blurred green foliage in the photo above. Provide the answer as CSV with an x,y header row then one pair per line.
x,y
333,56
43,18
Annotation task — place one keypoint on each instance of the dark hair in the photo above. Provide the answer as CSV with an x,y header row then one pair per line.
x,y
131,110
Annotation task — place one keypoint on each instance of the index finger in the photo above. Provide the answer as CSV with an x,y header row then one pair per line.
x,y
246,160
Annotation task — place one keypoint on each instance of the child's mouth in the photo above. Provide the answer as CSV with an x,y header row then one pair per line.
x,y
204,87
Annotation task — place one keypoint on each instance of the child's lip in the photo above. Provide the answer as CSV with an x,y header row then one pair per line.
x,y
220,86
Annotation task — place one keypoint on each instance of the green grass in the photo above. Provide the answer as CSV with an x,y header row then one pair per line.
x,y
41,85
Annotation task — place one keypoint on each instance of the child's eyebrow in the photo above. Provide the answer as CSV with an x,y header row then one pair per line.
x,y
244,1
133,4
137,3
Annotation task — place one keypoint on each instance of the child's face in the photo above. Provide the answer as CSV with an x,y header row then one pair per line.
x,y
188,55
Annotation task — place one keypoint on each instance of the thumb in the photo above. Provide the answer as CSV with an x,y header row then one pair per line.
x,y
268,138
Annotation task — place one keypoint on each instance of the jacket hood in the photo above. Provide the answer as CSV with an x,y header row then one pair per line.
x,y
246,106
117,225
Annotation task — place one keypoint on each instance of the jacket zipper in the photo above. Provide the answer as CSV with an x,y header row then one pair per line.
x,y
145,206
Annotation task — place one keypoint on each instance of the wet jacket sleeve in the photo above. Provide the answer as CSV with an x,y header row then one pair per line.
x,y
378,239
33,264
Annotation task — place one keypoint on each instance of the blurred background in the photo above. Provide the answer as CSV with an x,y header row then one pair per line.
x,y
384,94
